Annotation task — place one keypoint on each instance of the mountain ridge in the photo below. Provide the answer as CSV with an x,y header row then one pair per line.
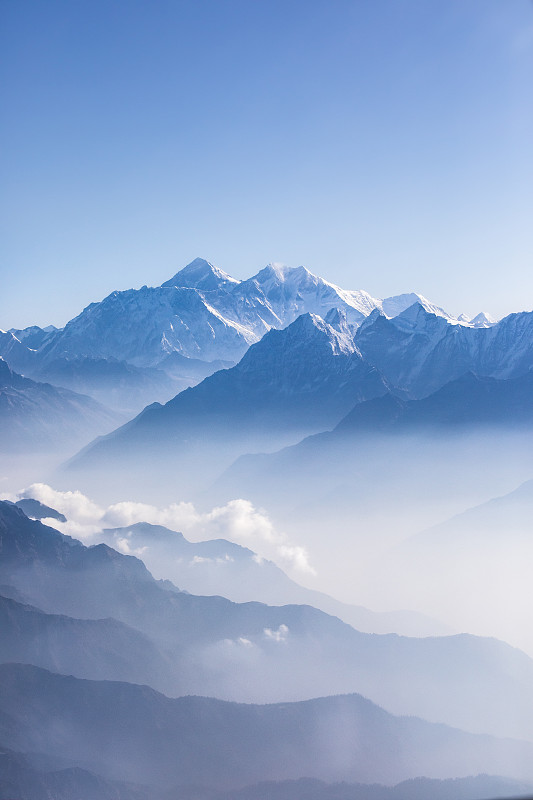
x,y
152,739
177,316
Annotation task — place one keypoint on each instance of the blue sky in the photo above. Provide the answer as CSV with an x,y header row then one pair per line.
x,y
385,144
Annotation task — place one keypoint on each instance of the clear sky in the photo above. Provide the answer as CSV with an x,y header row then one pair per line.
x,y
385,144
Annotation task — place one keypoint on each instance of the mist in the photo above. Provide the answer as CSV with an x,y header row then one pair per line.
x,y
335,510
350,537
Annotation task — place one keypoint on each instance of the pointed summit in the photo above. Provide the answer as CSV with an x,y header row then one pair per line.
x,y
201,274
393,306
418,317
483,320
276,275
308,334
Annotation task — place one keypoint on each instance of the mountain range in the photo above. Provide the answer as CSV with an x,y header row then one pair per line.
x,y
420,351
23,779
301,379
184,328
57,591
221,567
129,732
204,313
471,412
311,377
36,416
140,346
382,435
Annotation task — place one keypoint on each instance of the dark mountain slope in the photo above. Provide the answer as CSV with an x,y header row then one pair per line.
x,y
220,567
102,649
470,400
420,351
22,780
37,416
251,651
124,731
301,379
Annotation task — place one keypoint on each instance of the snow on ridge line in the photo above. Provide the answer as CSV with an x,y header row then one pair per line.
x,y
207,314
358,299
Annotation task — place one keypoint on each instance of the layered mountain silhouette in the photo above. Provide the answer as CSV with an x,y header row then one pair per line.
x,y
420,351
95,648
301,379
129,732
114,383
358,423
34,416
140,346
382,428
470,400
21,778
220,567
249,651
202,315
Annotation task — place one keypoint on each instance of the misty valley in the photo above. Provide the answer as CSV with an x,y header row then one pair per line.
x,y
266,538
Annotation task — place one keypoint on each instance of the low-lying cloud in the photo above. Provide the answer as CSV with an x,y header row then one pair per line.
x,y
239,521
279,635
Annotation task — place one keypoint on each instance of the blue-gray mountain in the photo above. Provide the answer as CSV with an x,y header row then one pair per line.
x,y
305,378
419,351
22,778
36,416
298,380
102,649
249,651
201,314
116,384
470,401
220,567
128,732
37,510
463,416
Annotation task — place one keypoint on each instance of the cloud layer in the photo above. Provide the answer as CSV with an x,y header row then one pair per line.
x,y
239,521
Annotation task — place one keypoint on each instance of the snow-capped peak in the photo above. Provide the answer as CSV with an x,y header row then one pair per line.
x,y
201,274
417,316
483,320
276,273
308,325
392,306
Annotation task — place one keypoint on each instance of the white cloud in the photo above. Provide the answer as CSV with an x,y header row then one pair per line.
x,y
177,516
206,560
281,635
123,546
74,505
244,642
239,521
240,642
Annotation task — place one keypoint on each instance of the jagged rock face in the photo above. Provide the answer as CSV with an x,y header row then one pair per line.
x,y
201,312
301,379
420,352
